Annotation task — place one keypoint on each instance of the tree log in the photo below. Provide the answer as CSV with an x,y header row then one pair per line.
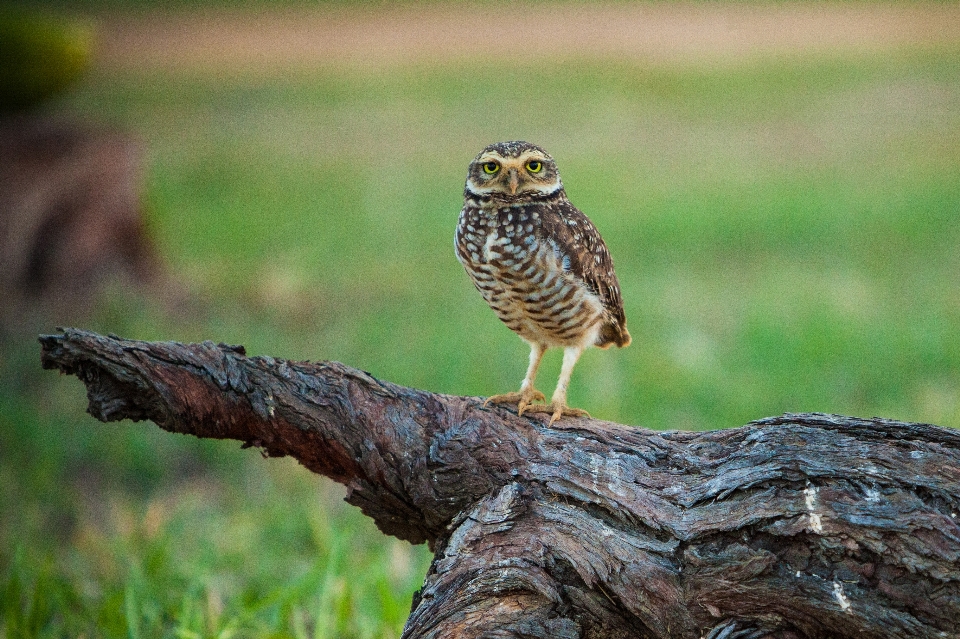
x,y
803,525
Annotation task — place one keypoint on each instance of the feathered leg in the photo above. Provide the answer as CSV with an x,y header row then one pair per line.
x,y
558,403
527,392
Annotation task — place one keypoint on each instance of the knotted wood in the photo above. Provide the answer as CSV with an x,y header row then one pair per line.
x,y
804,525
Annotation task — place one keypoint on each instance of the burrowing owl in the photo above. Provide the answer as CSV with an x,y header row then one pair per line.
x,y
539,263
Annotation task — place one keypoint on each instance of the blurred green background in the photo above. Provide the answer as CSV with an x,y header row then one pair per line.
x,y
785,230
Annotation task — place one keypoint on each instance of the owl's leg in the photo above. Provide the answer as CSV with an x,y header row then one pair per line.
x,y
527,392
558,403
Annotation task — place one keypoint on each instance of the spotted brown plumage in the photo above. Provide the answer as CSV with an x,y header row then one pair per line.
x,y
539,263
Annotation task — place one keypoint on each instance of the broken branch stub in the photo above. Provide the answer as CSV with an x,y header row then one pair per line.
x,y
804,525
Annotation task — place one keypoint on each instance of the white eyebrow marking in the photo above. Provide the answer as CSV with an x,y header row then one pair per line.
x,y
518,162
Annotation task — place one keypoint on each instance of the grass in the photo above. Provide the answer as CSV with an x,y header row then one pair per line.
x,y
785,234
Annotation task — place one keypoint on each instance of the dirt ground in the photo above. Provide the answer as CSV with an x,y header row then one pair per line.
x,y
258,41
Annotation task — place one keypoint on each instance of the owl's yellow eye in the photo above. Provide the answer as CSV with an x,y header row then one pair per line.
x,y
534,166
490,167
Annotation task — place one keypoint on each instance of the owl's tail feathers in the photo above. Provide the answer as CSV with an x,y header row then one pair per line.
x,y
614,333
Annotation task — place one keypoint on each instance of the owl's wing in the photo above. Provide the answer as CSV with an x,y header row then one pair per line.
x,y
583,253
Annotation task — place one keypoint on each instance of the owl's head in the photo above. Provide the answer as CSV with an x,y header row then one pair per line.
x,y
513,171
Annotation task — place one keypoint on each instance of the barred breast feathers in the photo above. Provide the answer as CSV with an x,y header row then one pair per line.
x,y
554,222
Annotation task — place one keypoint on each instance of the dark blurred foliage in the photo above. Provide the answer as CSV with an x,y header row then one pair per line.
x,y
40,55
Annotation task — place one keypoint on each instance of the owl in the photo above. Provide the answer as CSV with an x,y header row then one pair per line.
x,y
539,263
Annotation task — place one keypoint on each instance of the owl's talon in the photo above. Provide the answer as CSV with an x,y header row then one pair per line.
x,y
557,411
522,399
529,408
505,398
527,401
569,412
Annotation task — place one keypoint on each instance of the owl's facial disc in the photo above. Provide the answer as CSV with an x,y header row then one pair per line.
x,y
530,172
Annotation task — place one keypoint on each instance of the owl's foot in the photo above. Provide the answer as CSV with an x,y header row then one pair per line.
x,y
557,410
522,399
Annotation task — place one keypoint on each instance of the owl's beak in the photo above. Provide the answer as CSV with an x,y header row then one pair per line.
x,y
513,182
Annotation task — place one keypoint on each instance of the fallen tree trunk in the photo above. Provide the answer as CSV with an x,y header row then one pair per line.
x,y
805,525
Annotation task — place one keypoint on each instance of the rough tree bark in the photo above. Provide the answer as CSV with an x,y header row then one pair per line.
x,y
795,526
